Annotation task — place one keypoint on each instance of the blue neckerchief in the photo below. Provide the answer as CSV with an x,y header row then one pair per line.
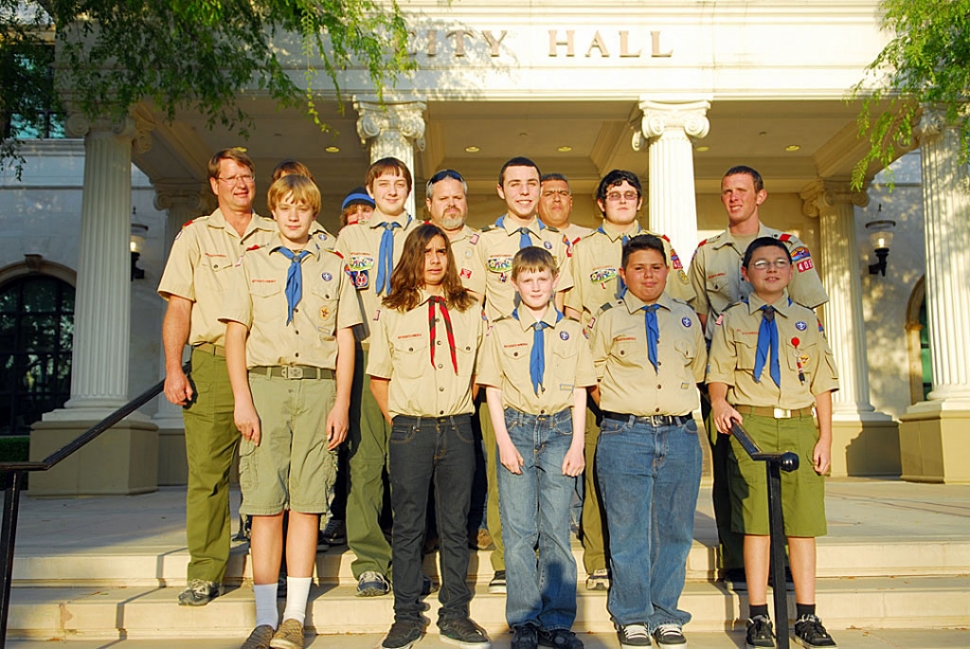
x,y
537,359
524,240
653,333
385,264
294,279
768,346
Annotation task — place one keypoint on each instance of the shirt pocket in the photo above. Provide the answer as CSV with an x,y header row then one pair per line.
x,y
412,357
324,310
628,353
747,348
214,272
802,360
269,303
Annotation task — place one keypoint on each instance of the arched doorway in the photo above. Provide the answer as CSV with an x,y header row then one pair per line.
x,y
918,337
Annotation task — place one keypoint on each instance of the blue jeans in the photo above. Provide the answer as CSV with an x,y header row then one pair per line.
x,y
535,514
649,476
422,450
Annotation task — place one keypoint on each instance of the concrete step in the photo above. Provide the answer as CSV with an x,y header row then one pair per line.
x,y
147,566
145,613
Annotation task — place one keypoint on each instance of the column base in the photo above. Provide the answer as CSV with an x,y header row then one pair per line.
x,y
864,444
122,461
933,442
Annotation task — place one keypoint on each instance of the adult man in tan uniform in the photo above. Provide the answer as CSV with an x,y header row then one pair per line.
x,y
715,275
596,263
195,280
556,206
448,207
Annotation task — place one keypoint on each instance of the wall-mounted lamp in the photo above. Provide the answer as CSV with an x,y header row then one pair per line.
x,y
881,238
138,234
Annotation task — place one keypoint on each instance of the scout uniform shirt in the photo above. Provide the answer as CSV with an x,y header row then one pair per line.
x,y
596,276
323,237
715,274
463,248
496,246
360,245
806,363
424,381
257,299
504,362
574,233
200,266
629,384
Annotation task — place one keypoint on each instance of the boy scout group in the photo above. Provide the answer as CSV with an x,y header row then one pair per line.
x,y
569,352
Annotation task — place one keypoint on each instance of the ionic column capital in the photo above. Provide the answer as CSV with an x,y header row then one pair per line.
x,y
395,120
663,117
136,128
822,195
177,196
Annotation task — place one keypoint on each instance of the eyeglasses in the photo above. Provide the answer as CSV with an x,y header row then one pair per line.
x,y
627,196
445,173
244,178
561,193
763,264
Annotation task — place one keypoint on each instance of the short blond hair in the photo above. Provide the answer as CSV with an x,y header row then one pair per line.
x,y
302,188
535,259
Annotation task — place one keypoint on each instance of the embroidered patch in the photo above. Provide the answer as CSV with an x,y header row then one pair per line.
x,y
675,261
468,254
602,275
686,321
802,266
465,273
564,335
501,264
361,279
801,326
547,244
377,314
322,236
473,240
324,312
327,277
719,320
360,262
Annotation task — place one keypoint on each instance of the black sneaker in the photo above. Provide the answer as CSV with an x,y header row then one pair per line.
x,y
525,636
634,635
497,585
560,639
810,633
333,533
759,633
462,632
735,579
670,635
403,634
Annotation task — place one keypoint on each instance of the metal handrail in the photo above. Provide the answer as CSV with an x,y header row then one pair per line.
x,y
775,463
13,475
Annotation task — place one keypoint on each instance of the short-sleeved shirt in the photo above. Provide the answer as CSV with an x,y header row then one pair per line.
x,y
360,245
506,354
400,350
322,235
596,270
497,245
629,384
257,299
715,274
200,265
574,232
805,359
463,248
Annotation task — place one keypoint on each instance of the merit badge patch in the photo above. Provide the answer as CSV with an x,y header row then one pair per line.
x,y
326,277
801,326
564,335
686,321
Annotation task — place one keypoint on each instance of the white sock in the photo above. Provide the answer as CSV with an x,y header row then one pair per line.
x,y
297,594
266,609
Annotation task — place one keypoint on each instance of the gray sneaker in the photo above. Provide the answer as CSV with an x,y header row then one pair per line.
x,y
199,592
372,584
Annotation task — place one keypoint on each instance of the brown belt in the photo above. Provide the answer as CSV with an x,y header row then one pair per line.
x,y
293,372
775,413
209,348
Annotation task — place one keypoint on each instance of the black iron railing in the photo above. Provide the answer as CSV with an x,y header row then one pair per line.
x,y
775,463
14,474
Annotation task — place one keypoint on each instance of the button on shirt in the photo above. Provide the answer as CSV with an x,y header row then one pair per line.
x,y
200,265
401,352
360,245
807,369
715,274
629,384
257,299
496,246
595,266
505,356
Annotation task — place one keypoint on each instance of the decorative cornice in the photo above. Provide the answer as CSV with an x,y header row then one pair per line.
x,y
822,195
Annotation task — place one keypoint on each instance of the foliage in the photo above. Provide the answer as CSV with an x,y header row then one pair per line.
x,y
196,55
927,63
14,448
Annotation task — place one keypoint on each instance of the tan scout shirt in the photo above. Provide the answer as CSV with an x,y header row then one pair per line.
x,y
735,345
505,358
463,248
360,245
629,384
200,265
715,274
496,246
575,232
596,262
401,351
257,299
326,240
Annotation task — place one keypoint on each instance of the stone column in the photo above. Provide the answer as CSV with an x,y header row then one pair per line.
x,y
864,442
934,436
182,202
393,128
124,459
668,127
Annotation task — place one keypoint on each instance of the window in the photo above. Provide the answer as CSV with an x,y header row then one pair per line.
x,y
36,340
924,351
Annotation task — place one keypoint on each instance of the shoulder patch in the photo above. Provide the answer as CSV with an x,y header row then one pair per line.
x,y
784,236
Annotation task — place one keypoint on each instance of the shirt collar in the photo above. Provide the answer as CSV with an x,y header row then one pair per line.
x,y
551,317
634,304
727,239
312,246
613,232
782,305
534,226
377,220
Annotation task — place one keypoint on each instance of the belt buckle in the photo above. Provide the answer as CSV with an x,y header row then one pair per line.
x,y
292,372
781,413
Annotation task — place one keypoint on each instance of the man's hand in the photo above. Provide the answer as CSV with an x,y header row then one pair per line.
x,y
178,389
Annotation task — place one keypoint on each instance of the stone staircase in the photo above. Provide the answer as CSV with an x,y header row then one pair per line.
x,y
130,592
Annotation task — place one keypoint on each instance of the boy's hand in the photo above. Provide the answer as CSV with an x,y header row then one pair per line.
x,y
338,423
247,421
822,457
724,416
511,458
574,462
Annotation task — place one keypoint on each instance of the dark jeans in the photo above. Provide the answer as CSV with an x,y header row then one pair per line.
x,y
421,450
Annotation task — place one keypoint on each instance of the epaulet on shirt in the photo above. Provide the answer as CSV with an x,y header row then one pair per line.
x,y
552,228
731,306
488,228
677,300
609,305
500,318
